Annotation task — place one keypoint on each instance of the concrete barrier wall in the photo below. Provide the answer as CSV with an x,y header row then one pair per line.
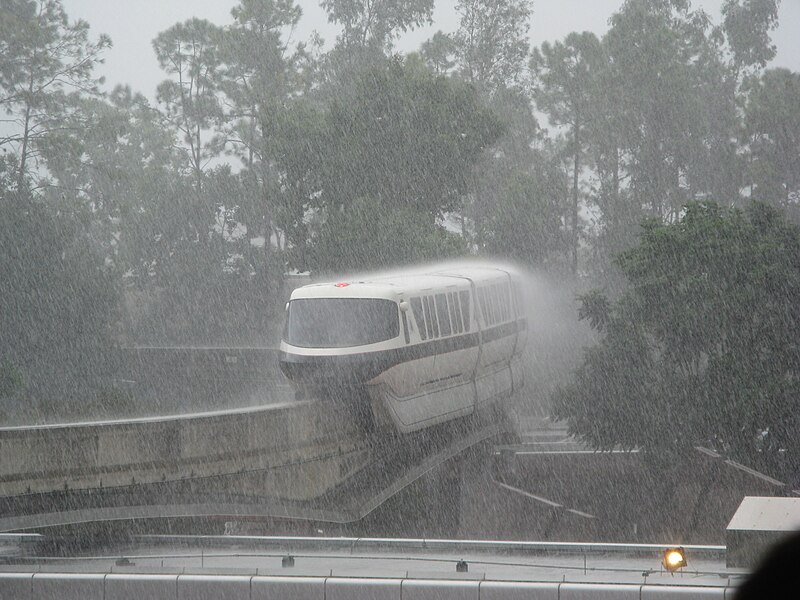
x,y
69,586
305,447
136,587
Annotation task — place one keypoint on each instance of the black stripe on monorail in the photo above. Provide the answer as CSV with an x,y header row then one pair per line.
x,y
368,365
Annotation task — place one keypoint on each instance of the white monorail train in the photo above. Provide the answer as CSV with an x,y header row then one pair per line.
x,y
420,347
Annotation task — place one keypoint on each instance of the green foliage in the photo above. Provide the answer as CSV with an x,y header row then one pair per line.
x,y
46,63
524,221
702,347
390,159
772,131
189,289
58,296
189,52
489,50
406,137
491,43
595,308
371,236
263,77
58,300
201,304
661,117
258,72
375,23
565,75
438,53
747,24
665,60
351,159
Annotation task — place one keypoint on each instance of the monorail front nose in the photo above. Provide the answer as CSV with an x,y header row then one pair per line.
x,y
332,369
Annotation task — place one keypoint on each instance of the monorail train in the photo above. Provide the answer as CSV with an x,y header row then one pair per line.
x,y
419,347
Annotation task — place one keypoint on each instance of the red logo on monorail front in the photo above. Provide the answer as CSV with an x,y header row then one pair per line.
x,y
342,284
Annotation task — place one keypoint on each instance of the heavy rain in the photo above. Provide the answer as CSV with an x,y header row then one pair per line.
x,y
512,280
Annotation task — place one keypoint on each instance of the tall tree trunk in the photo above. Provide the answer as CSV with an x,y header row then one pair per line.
x,y
26,130
575,170
26,136
24,152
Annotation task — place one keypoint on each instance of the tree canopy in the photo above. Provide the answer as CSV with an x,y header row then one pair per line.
x,y
407,137
701,349
183,219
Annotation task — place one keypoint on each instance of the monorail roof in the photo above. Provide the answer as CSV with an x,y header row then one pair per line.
x,y
390,285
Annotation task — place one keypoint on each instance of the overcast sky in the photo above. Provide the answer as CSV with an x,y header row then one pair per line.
x,y
132,25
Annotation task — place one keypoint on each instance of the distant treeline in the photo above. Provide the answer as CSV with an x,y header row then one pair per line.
x,y
126,222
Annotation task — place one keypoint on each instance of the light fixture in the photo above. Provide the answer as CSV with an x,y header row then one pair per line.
x,y
674,558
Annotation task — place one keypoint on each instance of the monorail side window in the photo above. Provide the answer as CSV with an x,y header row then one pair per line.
x,y
430,318
455,312
434,318
502,297
452,311
484,307
444,317
341,322
490,305
427,317
464,296
419,317
499,295
499,313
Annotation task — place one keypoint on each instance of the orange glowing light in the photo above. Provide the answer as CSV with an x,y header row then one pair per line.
x,y
674,558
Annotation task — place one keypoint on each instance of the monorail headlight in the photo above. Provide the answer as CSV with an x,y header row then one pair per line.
x,y
674,559
403,306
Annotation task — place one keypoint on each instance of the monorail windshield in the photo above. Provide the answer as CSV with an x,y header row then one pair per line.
x,y
341,322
